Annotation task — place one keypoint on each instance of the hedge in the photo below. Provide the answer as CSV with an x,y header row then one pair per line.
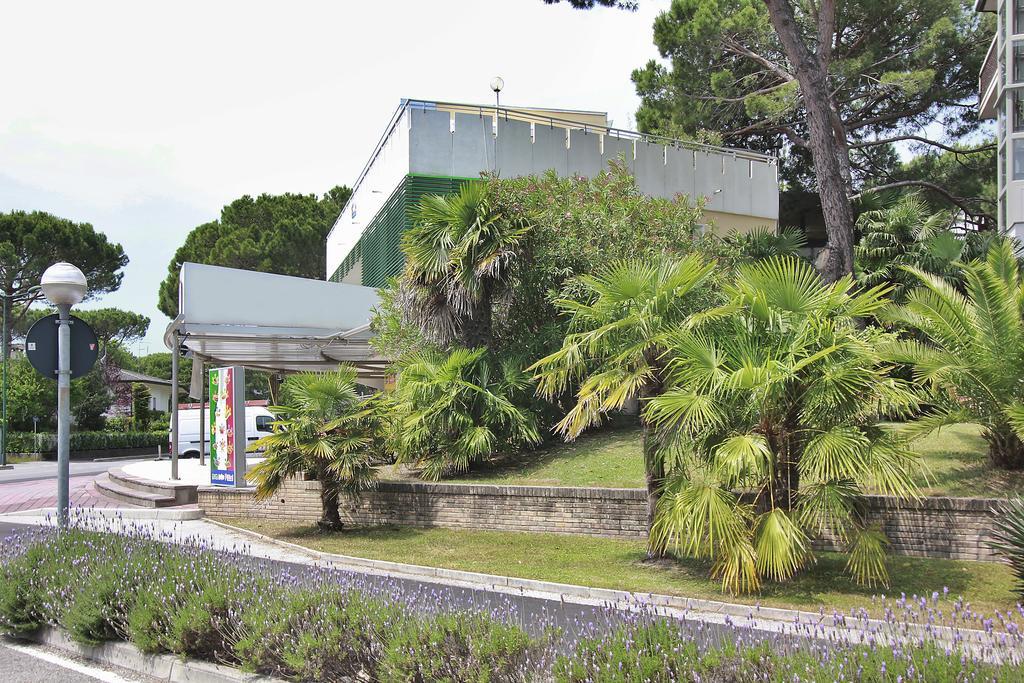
x,y
46,442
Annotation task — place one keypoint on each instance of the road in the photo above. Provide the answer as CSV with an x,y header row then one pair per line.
x,y
47,469
27,663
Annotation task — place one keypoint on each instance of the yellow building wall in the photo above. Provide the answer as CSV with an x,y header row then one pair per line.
x,y
722,224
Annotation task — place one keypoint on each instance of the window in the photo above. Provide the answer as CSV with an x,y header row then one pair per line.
x,y
1018,111
1018,16
1018,61
1018,159
264,423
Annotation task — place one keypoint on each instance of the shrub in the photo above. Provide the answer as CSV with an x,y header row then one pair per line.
x,y
1008,537
46,442
660,651
457,647
968,350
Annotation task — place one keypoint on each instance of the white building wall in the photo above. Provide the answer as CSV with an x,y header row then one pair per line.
x,y
457,144
385,173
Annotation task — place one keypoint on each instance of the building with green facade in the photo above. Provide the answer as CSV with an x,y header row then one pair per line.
x,y
433,147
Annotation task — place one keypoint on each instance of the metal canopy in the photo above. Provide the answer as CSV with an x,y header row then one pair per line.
x,y
275,322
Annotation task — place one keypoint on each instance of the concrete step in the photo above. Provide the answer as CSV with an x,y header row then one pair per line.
x,y
182,494
113,489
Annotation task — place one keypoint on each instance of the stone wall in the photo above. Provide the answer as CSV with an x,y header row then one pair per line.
x,y
932,527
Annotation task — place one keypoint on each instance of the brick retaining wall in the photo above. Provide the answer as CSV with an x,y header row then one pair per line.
x,y
933,527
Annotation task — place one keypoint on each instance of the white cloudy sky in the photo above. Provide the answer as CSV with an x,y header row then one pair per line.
x,y
145,118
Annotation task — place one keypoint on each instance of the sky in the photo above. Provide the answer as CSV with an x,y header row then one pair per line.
x,y
144,119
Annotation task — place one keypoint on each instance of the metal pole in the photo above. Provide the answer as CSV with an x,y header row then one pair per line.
x,y
174,406
63,412
202,412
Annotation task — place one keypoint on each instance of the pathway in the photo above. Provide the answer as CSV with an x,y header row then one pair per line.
x,y
42,493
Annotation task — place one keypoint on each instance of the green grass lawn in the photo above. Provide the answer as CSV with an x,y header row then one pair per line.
x,y
955,460
619,564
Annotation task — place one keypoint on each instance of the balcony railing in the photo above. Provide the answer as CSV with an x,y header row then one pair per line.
x,y
987,82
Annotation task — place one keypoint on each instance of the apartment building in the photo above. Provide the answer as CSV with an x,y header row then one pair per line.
x,y
433,147
1001,89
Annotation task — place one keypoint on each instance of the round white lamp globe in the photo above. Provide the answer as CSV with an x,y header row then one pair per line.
x,y
497,83
64,284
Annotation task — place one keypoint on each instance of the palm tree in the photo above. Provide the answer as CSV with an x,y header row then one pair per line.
x,y
614,351
459,254
778,394
324,428
459,407
763,242
970,351
904,232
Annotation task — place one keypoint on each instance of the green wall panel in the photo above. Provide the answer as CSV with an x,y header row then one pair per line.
x,y
379,247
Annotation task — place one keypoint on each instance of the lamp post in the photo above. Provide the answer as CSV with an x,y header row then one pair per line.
x,y
64,285
497,83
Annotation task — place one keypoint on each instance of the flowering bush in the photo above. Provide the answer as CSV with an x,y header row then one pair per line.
x,y
307,623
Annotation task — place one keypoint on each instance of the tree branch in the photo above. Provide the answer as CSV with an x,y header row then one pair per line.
x,y
961,202
917,138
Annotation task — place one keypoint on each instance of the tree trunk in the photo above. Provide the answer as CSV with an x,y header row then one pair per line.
x,y
476,327
654,475
827,141
274,385
6,341
1005,449
330,495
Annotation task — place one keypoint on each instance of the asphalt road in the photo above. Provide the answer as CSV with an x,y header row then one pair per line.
x,y
47,469
27,663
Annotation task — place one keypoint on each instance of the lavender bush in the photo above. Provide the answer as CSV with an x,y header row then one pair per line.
x,y
312,623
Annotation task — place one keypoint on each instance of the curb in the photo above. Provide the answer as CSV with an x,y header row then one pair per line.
x,y
767,619
161,667
597,595
170,513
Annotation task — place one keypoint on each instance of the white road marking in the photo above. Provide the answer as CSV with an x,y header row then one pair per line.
x,y
92,672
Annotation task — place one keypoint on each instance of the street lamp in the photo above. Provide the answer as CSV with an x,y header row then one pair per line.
x,y
64,285
497,83
5,351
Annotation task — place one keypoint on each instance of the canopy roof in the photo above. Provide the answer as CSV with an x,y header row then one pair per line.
x,y
275,322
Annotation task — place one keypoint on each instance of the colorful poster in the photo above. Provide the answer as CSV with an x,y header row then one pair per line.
x,y
222,426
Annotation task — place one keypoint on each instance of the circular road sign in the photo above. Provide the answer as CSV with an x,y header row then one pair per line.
x,y
41,346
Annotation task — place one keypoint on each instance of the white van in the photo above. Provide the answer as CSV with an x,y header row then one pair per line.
x,y
257,424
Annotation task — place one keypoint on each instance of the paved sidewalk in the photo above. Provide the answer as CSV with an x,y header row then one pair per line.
x,y
31,495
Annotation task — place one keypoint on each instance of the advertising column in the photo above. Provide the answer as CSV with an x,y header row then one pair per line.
x,y
227,426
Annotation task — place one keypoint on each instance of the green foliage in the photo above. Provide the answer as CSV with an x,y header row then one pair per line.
x,y
459,407
968,175
968,354
725,68
657,651
29,395
763,242
31,242
613,352
459,255
1008,537
778,392
141,412
902,231
46,442
324,427
281,234
457,648
579,226
199,604
90,399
